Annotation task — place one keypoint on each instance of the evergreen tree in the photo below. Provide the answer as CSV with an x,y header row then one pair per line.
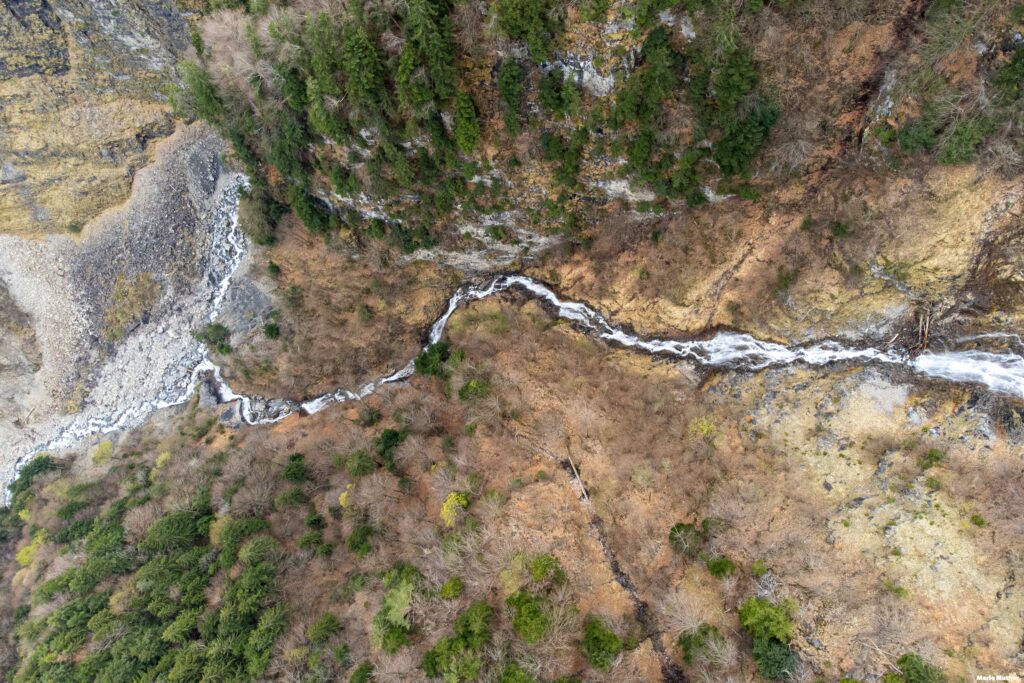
x,y
364,82
467,126
430,34
325,59
413,87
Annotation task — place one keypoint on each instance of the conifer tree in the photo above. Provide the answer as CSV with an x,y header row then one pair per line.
x,y
467,126
325,58
364,80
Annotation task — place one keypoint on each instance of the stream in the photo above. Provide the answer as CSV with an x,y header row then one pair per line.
x,y
1001,372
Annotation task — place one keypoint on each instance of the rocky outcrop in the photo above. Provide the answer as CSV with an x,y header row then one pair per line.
x,y
81,90
114,313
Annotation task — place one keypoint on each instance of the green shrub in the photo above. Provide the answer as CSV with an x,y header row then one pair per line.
x,y
764,619
451,589
695,644
977,520
311,540
384,446
342,655
1009,80
720,566
359,464
474,389
358,541
391,627
323,629
961,144
600,646
544,567
913,669
685,539
529,615
513,673
362,674
771,628
272,330
291,497
511,77
296,471
431,360
919,135
314,520
215,335
259,549
933,457
458,658
759,568
260,643
774,660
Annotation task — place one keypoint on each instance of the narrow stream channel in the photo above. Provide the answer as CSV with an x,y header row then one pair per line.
x,y
1001,372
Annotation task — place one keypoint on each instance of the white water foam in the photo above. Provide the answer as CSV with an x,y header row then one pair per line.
x,y
1000,372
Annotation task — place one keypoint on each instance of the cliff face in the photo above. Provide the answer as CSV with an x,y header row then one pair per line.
x,y
80,96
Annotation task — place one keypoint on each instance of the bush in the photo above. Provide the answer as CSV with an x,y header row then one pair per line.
x,y
913,669
272,330
544,567
295,471
232,535
961,144
259,549
458,658
362,674
513,673
474,389
358,541
216,337
291,497
359,464
695,644
391,627
454,503
511,77
594,11
323,629
774,660
529,616
764,619
685,539
311,540
600,645
384,446
933,457
720,566
977,520
771,628
431,361
451,589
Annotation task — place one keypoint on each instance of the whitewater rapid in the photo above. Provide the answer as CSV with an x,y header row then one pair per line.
x,y
1001,372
